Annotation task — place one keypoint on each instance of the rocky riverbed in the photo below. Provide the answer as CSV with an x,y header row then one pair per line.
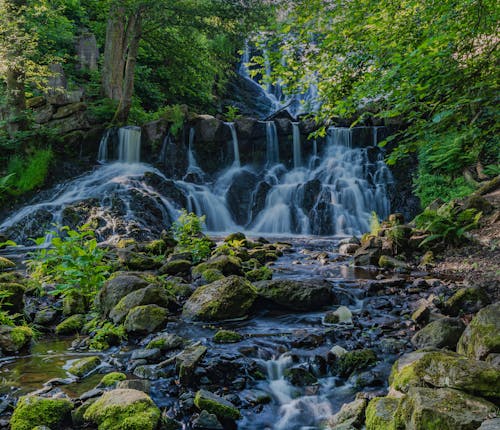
x,y
283,335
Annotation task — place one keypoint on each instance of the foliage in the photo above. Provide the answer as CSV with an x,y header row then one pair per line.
x,y
447,224
187,231
72,262
429,187
374,224
232,113
30,172
104,334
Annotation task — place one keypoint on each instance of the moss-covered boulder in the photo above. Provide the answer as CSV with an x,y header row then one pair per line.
x,y
6,264
84,366
13,294
71,325
226,264
115,289
350,416
112,379
187,361
442,333
263,273
124,409
145,319
296,295
210,402
442,368
227,336
299,376
14,339
482,335
175,268
380,413
387,262
352,361
150,295
74,303
165,342
211,275
32,411
441,409
466,300
227,298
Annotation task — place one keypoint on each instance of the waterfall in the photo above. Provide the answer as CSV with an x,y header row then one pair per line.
x,y
236,149
163,153
297,149
102,155
129,144
272,144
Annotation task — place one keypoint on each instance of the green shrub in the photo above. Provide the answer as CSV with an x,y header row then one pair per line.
x,y
28,173
187,231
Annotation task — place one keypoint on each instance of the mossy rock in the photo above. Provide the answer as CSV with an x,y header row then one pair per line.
x,y
124,409
140,261
84,366
380,413
442,333
441,409
440,368
235,236
227,298
226,264
350,416
227,336
466,300
145,319
482,336
32,411
341,315
74,303
263,273
14,339
299,377
352,361
210,402
176,268
117,288
166,342
211,275
14,297
71,325
126,243
387,262
187,361
157,247
112,378
6,264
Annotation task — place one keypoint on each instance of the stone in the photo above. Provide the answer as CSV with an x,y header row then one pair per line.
x,y
124,409
482,336
341,315
165,342
299,376
442,408
466,300
175,268
352,361
223,409
135,384
84,366
74,303
227,336
421,315
442,333
77,121
348,248
493,424
227,298
43,114
12,297
32,411
117,288
46,317
226,264
151,354
239,195
145,319
14,339
207,421
71,325
35,102
380,413
87,51
150,295
445,369
306,295
351,415
187,361
112,379
68,110
393,263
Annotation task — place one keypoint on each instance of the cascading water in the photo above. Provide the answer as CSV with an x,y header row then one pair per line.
x,y
297,147
272,144
236,149
129,144
102,155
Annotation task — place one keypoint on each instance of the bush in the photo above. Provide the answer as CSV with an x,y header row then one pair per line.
x,y
28,173
187,231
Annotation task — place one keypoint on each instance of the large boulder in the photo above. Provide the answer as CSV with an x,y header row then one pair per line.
x,y
33,411
350,416
482,335
240,195
187,361
442,333
441,368
14,339
124,409
226,264
226,298
296,295
117,288
145,319
467,300
13,297
380,413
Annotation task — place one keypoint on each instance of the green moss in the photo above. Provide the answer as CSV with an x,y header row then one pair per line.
x,y
74,303
32,411
124,410
216,405
355,360
263,273
125,243
211,275
156,247
83,366
112,378
145,319
227,336
21,335
464,298
5,264
380,413
71,325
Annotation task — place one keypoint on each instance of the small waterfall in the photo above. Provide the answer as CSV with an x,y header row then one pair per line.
x,y
272,144
297,148
236,149
102,155
129,144
163,153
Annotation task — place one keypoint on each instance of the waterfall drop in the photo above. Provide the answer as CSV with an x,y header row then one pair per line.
x,y
297,147
272,144
129,144
234,138
102,155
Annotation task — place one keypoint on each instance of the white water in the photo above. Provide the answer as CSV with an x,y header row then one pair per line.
x,y
297,147
236,149
272,144
102,156
129,144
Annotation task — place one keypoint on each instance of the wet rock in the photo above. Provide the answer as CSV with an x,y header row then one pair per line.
x,y
124,409
350,416
227,336
239,195
299,376
145,319
12,297
442,368
493,424
14,339
296,295
46,317
117,288
380,413
74,303
348,248
340,315
226,264
95,392
421,315
150,295
71,325
427,408
151,355
393,263
187,361
308,340
112,379
207,421
258,397
369,252
481,337
32,411
135,384
231,297
137,260
175,268
466,300
358,359
442,333
165,342
223,409
84,366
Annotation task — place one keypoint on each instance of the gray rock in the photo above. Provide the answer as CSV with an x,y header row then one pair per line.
x,y
117,288
207,421
442,333
493,424
145,319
